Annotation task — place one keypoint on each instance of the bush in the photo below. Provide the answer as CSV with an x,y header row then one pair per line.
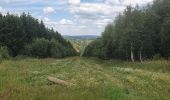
x,y
43,48
56,49
157,57
20,57
39,48
4,53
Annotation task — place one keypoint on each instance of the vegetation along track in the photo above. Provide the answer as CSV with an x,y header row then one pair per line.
x,y
94,79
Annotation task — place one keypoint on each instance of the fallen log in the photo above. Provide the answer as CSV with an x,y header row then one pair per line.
x,y
59,81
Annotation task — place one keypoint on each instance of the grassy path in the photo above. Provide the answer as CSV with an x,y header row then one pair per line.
x,y
95,79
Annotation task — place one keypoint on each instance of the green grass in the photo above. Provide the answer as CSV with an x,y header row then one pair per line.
x,y
94,79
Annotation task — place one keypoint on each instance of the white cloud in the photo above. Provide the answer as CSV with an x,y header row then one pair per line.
x,y
48,22
74,2
103,21
89,8
128,2
97,14
20,2
62,22
46,19
48,10
2,10
65,22
136,2
113,2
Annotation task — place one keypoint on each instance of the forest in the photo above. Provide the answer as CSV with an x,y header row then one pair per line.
x,y
137,34
25,35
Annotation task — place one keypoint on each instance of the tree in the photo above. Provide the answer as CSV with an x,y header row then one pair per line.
x,y
165,37
20,33
136,34
56,49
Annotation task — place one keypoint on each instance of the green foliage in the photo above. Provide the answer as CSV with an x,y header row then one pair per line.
x,y
17,31
157,57
43,48
165,37
136,34
98,49
56,49
4,54
39,48
20,57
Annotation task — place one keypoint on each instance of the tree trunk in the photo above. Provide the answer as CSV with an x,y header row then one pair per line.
x,y
132,54
59,81
140,53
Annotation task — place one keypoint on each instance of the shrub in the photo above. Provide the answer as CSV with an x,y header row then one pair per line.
x,y
56,49
4,53
43,48
38,48
20,57
27,50
157,57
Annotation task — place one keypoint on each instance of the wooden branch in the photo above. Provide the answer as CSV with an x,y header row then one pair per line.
x,y
59,81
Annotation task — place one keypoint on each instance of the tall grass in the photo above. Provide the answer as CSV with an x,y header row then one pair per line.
x,y
95,79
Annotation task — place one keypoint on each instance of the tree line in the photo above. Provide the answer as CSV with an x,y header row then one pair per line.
x,y
25,35
137,34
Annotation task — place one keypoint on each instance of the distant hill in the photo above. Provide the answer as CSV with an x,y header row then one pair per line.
x,y
80,37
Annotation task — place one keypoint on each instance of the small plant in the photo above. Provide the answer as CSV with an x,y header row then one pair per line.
x,y
4,54
168,58
19,57
157,57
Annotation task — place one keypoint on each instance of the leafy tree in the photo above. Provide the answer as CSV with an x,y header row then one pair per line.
x,y
165,37
136,34
39,48
56,49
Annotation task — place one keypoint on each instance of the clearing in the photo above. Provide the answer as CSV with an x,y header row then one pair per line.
x,y
94,79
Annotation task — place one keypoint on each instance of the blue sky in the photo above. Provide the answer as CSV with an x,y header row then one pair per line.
x,y
71,17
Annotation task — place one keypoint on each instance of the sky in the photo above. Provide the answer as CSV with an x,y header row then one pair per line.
x,y
71,17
